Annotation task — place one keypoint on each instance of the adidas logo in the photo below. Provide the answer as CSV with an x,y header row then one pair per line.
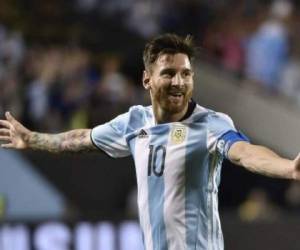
x,y
142,134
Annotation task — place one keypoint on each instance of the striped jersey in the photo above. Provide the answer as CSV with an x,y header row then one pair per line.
x,y
178,172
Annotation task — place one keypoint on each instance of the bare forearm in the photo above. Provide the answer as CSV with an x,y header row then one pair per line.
x,y
72,141
268,164
264,161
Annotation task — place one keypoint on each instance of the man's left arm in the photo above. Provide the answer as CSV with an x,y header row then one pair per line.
x,y
261,160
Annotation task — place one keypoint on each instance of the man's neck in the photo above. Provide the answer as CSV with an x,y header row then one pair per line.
x,y
161,116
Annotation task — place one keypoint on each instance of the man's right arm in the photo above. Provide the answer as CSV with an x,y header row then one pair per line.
x,y
15,135
77,140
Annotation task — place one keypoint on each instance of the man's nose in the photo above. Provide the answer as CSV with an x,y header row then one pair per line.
x,y
177,80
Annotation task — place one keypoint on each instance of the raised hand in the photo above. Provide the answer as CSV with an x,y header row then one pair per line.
x,y
13,133
296,163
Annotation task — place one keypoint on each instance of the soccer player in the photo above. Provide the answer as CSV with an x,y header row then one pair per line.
x,y
177,145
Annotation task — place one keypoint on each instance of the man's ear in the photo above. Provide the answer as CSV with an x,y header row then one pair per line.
x,y
146,80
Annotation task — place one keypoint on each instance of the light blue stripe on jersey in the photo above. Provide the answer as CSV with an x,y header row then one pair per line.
x,y
156,198
196,195
135,121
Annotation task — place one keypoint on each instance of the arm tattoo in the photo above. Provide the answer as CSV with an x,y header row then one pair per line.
x,y
77,140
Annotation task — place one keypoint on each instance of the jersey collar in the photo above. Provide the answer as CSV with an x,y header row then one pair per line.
x,y
190,110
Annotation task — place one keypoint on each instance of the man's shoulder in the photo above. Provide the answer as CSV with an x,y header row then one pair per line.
x,y
137,117
140,111
210,115
216,118
139,108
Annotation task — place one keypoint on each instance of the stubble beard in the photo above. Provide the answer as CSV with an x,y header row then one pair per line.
x,y
169,104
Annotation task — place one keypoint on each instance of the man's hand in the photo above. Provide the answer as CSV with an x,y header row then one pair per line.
x,y
296,163
13,133
17,136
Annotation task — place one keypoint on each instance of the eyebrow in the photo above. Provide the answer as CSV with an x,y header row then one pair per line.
x,y
173,70
168,71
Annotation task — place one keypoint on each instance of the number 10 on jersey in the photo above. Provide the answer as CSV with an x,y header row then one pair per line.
x,y
156,160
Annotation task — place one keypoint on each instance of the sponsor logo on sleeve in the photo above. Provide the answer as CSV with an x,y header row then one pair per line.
x,y
221,146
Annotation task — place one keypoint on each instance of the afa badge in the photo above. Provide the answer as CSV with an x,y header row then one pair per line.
x,y
178,134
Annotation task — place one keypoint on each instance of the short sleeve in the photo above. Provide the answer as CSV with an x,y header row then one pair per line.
x,y
228,139
222,134
110,137
218,125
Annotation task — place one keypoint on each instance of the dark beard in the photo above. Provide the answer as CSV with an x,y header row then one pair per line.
x,y
172,107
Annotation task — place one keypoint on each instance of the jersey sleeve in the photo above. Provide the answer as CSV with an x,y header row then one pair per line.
x,y
222,134
110,137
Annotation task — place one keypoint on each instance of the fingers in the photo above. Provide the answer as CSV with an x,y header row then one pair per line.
x,y
5,124
297,159
9,120
8,145
5,138
9,117
4,131
4,134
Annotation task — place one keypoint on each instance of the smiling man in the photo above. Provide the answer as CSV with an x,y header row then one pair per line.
x,y
178,148
170,82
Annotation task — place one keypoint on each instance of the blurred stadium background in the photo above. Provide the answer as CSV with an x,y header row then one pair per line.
x,y
77,63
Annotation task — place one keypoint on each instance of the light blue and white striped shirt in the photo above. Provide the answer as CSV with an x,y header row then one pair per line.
x,y
178,172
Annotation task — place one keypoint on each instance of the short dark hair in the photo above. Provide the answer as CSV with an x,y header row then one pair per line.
x,y
167,44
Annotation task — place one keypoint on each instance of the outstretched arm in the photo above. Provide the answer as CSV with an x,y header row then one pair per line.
x,y
264,161
17,136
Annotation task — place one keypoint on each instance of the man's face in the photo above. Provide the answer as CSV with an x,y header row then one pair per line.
x,y
170,82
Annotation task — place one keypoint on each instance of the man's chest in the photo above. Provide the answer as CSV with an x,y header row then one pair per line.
x,y
171,147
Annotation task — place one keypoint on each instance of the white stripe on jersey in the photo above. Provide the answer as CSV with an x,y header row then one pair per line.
x,y
174,207
218,230
211,141
142,175
210,204
215,234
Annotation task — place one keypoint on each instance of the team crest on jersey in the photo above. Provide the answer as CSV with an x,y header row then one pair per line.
x,y
178,134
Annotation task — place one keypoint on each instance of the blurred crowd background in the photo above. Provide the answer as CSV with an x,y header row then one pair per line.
x,y
78,63
67,60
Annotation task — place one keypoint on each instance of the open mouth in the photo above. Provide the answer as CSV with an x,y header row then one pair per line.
x,y
176,97
176,94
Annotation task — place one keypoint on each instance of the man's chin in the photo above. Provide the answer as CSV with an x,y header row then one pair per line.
x,y
175,107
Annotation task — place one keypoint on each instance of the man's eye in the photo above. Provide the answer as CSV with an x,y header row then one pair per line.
x,y
187,73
